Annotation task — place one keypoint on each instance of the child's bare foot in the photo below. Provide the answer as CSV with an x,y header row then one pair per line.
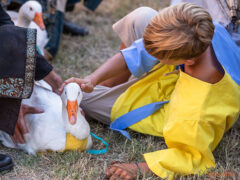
x,y
126,171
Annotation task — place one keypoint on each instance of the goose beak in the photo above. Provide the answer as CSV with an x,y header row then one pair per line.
x,y
39,20
72,108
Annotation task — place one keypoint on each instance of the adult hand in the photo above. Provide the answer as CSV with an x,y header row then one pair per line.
x,y
54,80
86,84
21,127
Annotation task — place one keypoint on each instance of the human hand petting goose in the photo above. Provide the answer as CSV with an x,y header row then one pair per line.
x,y
87,84
21,127
55,81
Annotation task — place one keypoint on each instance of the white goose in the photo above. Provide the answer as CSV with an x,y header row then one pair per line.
x,y
60,127
30,16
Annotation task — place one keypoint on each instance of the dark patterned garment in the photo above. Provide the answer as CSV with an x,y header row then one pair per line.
x,y
20,64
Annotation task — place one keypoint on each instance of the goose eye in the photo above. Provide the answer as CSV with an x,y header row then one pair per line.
x,y
78,93
31,9
65,93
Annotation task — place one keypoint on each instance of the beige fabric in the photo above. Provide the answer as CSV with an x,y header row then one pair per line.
x,y
217,8
98,104
61,4
131,27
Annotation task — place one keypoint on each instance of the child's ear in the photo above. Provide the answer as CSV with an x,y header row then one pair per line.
x,y
189,62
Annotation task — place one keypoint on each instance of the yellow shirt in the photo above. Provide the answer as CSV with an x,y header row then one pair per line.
x,y
154,87
192,123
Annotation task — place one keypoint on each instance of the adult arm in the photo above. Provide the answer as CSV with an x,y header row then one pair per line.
x,y
44,70
112,67
134,59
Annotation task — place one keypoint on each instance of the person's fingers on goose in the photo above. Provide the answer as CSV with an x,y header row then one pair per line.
x,y
72,79
76,80
17,137
13,139
60,90
21,125
86,88
32,110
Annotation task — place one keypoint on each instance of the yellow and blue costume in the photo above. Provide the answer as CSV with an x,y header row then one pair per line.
x,y
197,115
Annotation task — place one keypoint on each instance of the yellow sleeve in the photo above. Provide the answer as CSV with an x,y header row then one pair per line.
x,y
189,149
197,117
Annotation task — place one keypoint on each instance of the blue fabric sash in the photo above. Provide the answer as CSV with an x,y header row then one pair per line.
x,y
134,116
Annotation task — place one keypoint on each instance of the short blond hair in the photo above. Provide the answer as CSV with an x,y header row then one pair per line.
x,y
182,31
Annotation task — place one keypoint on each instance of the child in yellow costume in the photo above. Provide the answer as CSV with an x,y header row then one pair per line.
x,y
204,96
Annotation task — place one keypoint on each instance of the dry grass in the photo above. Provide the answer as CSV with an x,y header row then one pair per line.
x,y
79,56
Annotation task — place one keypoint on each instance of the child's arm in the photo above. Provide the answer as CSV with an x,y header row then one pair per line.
x,y
112,67
134,59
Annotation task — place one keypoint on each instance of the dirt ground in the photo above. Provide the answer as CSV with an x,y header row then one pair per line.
x,y
78,57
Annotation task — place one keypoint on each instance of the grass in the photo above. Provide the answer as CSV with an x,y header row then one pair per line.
x,y
79,56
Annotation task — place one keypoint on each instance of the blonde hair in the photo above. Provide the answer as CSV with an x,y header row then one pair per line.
x,y
182,31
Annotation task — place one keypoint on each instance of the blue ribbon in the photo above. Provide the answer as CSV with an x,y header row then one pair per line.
x,y
39,51
134,116
102,151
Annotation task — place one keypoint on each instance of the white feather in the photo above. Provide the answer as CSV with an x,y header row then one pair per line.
x,y
42,37
24,18
47,131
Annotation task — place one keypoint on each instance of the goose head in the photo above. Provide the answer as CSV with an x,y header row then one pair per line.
x,y
75,122
30,11
71,98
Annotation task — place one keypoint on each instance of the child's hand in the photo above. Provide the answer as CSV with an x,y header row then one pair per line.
x,y
86,84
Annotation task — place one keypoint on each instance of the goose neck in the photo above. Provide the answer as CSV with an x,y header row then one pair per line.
x,y
23,21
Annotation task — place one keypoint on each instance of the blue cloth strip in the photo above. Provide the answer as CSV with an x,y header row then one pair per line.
x,y
134,116
102,151
39,51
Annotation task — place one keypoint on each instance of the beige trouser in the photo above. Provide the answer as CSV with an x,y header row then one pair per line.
x,y
98,104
